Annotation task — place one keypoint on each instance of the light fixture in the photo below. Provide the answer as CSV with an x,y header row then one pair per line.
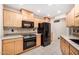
x,y
48,15
58,11
38,11
49,4
21,4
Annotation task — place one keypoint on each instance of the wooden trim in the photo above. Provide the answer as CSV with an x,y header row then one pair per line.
x,y
25,10
12,11
47,17
28,49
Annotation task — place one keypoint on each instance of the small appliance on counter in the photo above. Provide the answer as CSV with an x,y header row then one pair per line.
x,y
45,30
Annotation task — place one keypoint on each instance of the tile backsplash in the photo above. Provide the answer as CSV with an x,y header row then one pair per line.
x,y
9,30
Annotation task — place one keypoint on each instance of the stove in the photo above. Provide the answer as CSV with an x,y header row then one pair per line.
x,y
29,40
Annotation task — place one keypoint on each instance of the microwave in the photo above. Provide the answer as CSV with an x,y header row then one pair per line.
x,y
27,24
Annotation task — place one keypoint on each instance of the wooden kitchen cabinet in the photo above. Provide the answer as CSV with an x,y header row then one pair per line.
x,y
38,40
8,48
27,15
67,48
77,10
77,15
11,19
64,45
36,21
18,45
70,18
73,51
12,46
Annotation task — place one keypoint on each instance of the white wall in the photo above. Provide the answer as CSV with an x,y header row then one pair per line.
x,y
59,28
1,25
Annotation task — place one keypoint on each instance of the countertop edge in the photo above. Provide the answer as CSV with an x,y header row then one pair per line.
x,y
70,42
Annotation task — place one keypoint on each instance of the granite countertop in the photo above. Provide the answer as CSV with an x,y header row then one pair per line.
x,y
11,36
68,37
15,36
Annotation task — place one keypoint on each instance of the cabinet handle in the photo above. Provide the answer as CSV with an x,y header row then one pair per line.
x,y
77,15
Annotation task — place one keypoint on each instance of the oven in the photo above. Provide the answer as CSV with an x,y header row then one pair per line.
x,y
29,41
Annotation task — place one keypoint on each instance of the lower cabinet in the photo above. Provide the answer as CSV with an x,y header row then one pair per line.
x,y
73,51
67,49
8,48
18,45
38,40
12,46
64,47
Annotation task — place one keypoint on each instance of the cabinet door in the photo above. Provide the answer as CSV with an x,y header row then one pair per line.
x,y
77,15
12,19
18,45
76,9
18,20
38,40
6,17
64,46
8,48
26,15
70,18
73,51
30,16
36,22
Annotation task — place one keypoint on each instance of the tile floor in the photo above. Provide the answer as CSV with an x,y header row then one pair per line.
x,y
52,49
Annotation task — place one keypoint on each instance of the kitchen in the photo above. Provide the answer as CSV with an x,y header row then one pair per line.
x,y
26,32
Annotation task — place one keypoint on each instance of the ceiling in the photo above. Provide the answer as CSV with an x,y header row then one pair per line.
x,y
44,9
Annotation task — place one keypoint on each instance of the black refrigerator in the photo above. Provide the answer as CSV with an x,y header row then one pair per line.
x,y
45,30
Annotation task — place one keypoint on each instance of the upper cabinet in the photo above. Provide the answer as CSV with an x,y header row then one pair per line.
x,y
72,18
14,19
36,21
27,15
11,19
76,15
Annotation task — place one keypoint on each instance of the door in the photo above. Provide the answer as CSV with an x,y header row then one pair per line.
x,y
58,29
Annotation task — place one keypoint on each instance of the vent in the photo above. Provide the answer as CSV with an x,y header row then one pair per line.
x,y
56,21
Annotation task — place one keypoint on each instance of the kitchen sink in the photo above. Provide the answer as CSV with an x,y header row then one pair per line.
x,y
75,40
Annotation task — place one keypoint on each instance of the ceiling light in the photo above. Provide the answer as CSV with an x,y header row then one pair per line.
x,y
21,4
38,11
48,15
58,11
49,4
